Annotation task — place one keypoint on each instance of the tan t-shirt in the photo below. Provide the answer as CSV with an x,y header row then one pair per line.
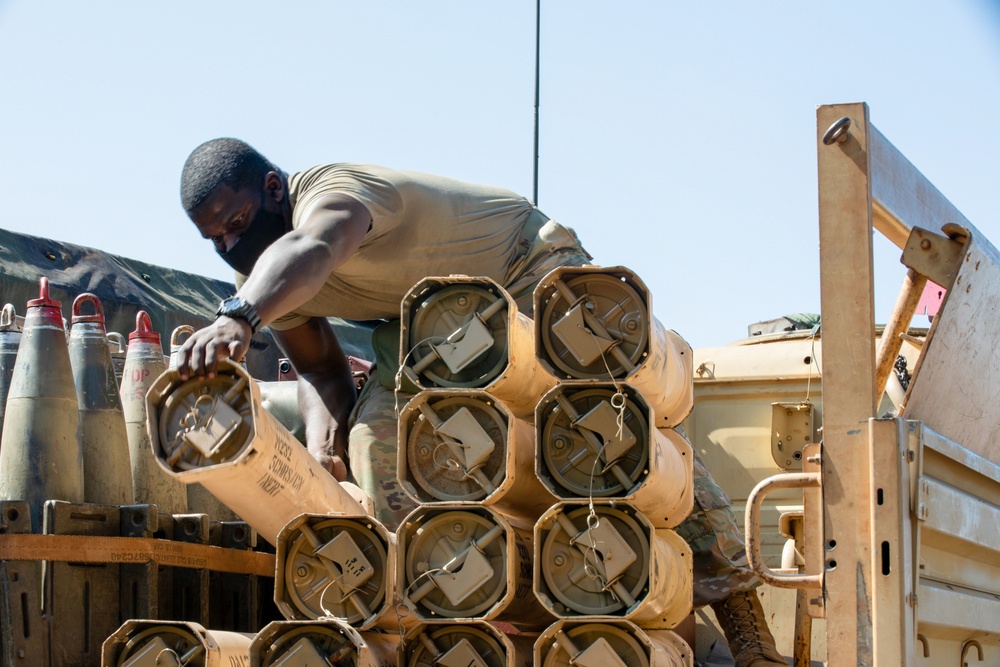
x,y
422,225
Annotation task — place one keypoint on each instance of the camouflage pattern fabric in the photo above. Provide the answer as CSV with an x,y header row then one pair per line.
x,y
720,560
554,246
372,452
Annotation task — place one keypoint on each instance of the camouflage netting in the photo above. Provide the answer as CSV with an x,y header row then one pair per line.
x,y
126,286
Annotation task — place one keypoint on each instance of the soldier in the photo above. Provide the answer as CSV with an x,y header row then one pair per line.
x,y
349,240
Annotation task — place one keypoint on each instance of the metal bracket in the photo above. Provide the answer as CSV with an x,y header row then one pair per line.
x,y
603,420
466,438
604,546
354,567
933,255
475,572
585,345
598,654
791,430
465,345
303,654
462,654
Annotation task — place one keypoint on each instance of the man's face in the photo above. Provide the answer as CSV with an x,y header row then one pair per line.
x,y
226,214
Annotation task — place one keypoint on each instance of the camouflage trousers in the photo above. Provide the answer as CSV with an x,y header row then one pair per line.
x,y
720,559
720,563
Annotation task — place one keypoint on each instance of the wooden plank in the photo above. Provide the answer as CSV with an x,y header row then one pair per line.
x,y
904,195
892,544
890,227
846,286
956,385
81,599
24,631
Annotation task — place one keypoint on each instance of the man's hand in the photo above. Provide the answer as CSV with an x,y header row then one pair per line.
x,y
226,338
335,464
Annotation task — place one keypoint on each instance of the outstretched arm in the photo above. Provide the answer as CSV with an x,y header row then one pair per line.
x,y
289,273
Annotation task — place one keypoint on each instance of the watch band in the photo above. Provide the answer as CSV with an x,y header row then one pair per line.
x,y
238,308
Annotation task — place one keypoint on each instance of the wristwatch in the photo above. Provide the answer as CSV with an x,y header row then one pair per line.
x,y
238,308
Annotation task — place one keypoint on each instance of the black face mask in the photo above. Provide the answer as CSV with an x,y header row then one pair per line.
x,y
264,229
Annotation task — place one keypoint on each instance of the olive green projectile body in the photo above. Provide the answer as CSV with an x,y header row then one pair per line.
x,y
143,364
107,473
10,338
41,458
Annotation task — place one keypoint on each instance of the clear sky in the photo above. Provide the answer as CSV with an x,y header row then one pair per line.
x,y
677,138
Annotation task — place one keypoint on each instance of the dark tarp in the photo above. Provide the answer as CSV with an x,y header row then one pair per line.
x,y
126,286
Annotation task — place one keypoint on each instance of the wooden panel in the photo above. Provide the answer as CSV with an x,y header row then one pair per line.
x,y
955,387
846,283
905,197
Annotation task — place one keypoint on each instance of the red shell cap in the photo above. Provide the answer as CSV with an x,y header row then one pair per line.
x,y
43,296
144,329
45,310
97,317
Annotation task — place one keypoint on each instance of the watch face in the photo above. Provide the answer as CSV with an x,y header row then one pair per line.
x,y
233,304
236,307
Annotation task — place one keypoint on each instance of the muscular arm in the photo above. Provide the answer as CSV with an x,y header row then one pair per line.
x,y
326,390
289,273
296,266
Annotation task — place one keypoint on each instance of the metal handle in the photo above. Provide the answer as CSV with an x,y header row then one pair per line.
x,y
182,331
8,318
837,133
77,310
797,480
972,643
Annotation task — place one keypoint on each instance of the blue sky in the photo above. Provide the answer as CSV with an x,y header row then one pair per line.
x,y
677,138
